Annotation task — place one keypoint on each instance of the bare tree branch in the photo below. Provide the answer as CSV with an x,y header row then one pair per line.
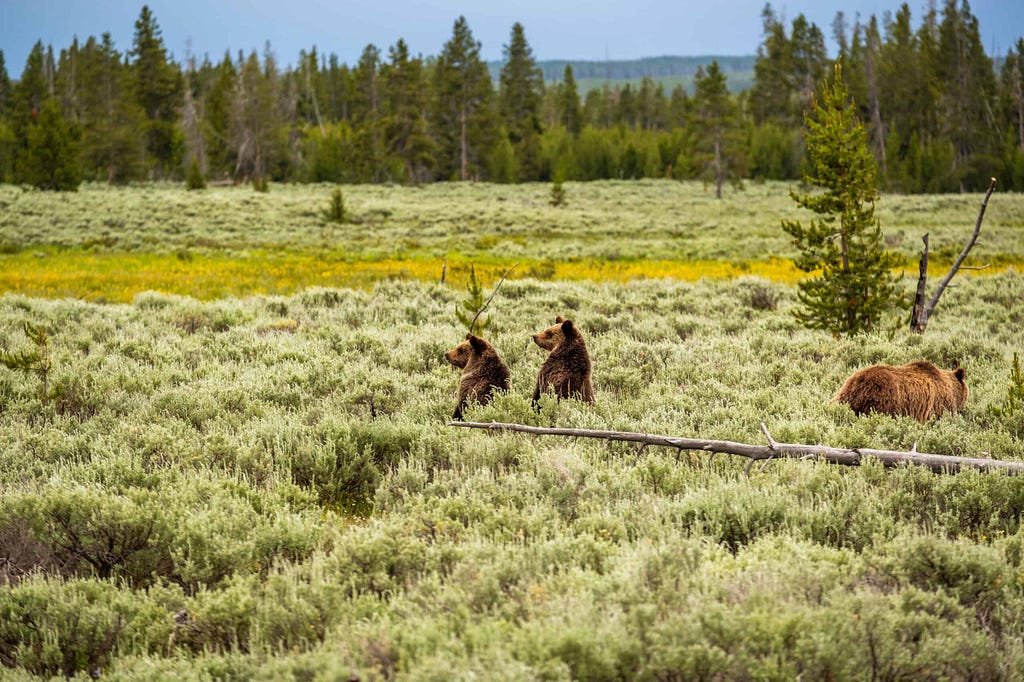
x,y
472,325
845,456
918,323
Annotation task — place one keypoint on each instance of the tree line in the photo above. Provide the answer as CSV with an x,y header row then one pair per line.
x,y
940,115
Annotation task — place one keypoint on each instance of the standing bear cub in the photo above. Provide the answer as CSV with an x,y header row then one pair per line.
x,y
483,370
918,389
567,367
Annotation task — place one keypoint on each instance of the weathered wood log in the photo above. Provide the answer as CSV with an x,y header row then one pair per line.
x,y
919,320
845,456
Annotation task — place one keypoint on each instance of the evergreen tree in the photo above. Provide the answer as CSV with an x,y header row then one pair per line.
x,y
1011,114
5,87
570,114
968,95
218,101
404,88
519,100
157,86
771,91
50,160
111,147
856,285
367,115
463,118
717,126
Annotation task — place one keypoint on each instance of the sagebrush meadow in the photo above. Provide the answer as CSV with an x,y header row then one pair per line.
x,y
254,478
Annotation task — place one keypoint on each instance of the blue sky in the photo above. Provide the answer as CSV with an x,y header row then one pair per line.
x,y
574,29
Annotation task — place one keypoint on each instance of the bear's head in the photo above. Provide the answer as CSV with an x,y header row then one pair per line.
x,y
462,353
960,390
555,335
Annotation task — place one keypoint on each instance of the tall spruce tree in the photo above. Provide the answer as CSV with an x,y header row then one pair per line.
x,y
368,115
519,100
404,89
570,113
968,94
5,87
856,285
716,126
158,86
50,159
463,119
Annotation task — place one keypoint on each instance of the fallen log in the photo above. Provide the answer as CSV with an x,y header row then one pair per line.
x,y
765,453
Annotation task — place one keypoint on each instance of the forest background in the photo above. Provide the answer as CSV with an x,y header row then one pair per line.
x,y
942,114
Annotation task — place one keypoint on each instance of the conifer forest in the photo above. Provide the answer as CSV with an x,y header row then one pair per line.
x,y
942,115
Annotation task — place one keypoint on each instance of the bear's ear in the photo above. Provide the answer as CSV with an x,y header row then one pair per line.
x,y
566,327
959,373
477,343
558,319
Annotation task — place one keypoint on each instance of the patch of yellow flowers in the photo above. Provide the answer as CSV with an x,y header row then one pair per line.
x,y
119,277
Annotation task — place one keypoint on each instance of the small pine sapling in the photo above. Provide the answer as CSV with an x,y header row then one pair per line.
x,y
195,179
1014,392
472,308
35,361
336,211
557,193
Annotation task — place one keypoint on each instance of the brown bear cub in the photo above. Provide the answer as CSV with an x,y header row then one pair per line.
x,y
918,389
567,367
483,370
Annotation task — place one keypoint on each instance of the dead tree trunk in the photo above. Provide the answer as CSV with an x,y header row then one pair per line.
x,y
922,310
849,457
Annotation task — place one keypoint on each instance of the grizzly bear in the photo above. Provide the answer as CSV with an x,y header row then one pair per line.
x,y
483,370
918,389
567,367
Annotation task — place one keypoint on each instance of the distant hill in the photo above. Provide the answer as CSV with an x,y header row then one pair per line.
x,y
667,70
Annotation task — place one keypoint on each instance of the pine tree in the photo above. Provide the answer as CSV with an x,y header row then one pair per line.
x,y
5,87
404,89
856,285
157,86
368,115
519,99
570,114
717,125
463,119
218,99
111,147
50,160
968,94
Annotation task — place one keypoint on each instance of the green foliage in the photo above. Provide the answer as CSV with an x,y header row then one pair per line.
x,y
195,179
50,158
36,361
557,193
1012,408
469,312
856,285
336,211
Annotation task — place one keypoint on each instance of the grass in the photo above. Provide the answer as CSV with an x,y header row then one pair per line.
x,y
113,243
263,486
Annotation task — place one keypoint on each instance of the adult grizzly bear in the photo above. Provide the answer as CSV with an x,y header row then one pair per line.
x,y
483,370
918,389
567,367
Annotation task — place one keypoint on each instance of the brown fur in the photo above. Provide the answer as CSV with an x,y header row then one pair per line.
x,y
918,389
566,370
483,370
